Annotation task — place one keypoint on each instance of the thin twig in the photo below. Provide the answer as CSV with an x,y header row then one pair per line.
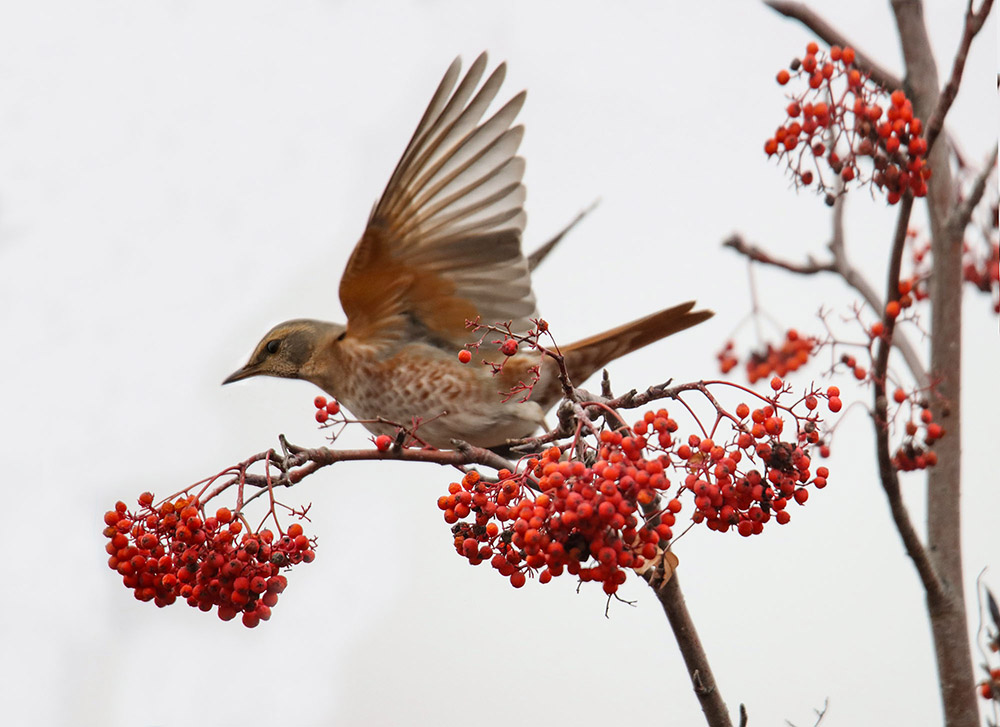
x,y
851,275
960,216
973,24
887,471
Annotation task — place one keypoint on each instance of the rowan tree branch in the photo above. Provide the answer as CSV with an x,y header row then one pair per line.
x,y
959,219
973,24
302,462
699,670
841,266
888,475
946,607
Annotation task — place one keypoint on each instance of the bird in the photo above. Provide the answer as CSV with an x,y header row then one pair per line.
x,y
441,249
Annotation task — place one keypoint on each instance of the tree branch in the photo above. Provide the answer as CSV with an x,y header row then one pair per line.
x,y
702,679
850,274
301,462
973,24
887,472
961,215
949,624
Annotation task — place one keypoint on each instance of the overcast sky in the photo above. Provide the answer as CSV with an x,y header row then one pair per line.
x,y
176,177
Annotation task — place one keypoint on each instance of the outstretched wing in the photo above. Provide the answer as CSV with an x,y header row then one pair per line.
x,y
443,244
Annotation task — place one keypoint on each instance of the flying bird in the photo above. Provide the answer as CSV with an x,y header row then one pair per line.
x,y
442,247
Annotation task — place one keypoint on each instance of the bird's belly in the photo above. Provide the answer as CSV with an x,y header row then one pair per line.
x,y
437,397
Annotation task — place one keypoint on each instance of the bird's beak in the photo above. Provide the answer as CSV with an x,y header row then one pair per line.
x,y
244,373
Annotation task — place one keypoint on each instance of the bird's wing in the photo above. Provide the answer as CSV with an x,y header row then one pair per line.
x,y
443,244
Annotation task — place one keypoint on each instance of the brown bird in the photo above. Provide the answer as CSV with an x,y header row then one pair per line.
x,y
443,247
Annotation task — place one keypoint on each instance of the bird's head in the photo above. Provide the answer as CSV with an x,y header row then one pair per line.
x,y
287,350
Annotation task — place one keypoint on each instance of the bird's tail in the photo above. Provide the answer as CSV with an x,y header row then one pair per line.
x,y
587,356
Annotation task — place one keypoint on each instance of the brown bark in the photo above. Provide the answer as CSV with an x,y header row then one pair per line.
x,y
947,606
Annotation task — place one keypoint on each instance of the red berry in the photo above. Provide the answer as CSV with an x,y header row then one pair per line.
x,y
465,355
319,402
508,347
383,442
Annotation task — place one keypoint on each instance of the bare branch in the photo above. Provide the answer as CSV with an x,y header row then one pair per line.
x,y
946,606
758,254
959,218
304,462
887,472
851,275
702,679
973,23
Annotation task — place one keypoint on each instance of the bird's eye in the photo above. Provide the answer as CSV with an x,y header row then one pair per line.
x,y
273,345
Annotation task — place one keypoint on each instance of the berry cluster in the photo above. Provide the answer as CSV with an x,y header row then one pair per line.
x,y
509,346
990,688
858,371
840,104
173,550
727,495
983,272
583,519
325,409
595,521
914,453
793,353
980,267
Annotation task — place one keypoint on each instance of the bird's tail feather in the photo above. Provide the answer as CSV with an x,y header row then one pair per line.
x,y
587,356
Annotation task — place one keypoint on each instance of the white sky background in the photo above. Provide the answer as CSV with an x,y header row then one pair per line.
x,y
176,177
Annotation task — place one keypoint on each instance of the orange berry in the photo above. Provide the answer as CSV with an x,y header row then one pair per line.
x,y
465,355
848,56
892,308
783,77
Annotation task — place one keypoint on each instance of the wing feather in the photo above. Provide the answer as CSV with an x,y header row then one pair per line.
x,y
443,243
